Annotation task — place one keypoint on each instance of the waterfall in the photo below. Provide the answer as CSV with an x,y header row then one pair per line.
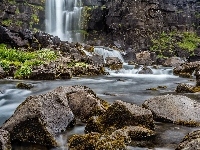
x,y
108,52
63,19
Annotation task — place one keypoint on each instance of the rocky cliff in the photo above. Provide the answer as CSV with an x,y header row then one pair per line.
x,y
132,23
22,14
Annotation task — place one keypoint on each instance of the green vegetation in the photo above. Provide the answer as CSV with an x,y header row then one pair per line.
x,y
167,43
23,61
7,22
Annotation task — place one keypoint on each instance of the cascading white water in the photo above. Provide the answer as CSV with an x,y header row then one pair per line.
x,y
108,52
63,19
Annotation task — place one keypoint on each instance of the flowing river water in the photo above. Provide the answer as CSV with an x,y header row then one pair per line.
x,y
123,85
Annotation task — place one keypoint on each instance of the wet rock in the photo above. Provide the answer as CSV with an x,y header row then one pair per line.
x,y
44,72
144,58
22,85
5,143
186,88
113,63
197,74
116,140
96,141
2,73
190,142
174,108
83,101
186,69
39,119
145,70
173,62
119,115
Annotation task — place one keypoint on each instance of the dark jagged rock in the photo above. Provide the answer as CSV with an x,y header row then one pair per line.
x,y
5,143
173,62
174,108
39,119
116,140
2,73
83,101
119,115
190,142
144,58
145,70
186,69
185,88
114,63
22,85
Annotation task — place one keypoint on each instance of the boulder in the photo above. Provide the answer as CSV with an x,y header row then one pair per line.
x,y
114,63
145,70
186,69
119,115
173,62
22,85
144,58
83,101
190,142
39,119
5,143
116,140
174,108
185,88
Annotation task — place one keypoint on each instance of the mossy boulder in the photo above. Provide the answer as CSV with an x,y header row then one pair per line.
x,y
175,109
39,119
117,139
5,143
190,142
187,88
119,115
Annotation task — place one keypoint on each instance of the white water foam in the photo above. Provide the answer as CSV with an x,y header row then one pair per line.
x,y
63,19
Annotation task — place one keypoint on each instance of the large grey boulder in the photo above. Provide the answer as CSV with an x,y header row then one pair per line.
x,y
174,108
119,115
5,143
190,142
83,101
39,119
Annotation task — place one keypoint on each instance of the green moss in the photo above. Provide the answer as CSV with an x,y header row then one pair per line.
x,y
169,42
23,61
7,22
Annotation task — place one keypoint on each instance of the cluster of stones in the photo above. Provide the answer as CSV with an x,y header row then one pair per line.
x,y
70,53
41,118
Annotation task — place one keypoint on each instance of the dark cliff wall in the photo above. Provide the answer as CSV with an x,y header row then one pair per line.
x,y
22,14
131,23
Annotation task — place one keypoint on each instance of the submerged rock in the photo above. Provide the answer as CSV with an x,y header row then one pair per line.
x,y
174,108
5,143
39,118
190,141
22,85
119,115
145,70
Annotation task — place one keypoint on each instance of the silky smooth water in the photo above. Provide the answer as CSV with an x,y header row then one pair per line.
x,y
63,19
117,86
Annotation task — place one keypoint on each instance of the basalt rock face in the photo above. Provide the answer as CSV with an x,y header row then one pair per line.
x,y
21,14
131,24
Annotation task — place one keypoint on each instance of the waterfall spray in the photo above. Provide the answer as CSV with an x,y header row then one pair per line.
x,y
63,19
